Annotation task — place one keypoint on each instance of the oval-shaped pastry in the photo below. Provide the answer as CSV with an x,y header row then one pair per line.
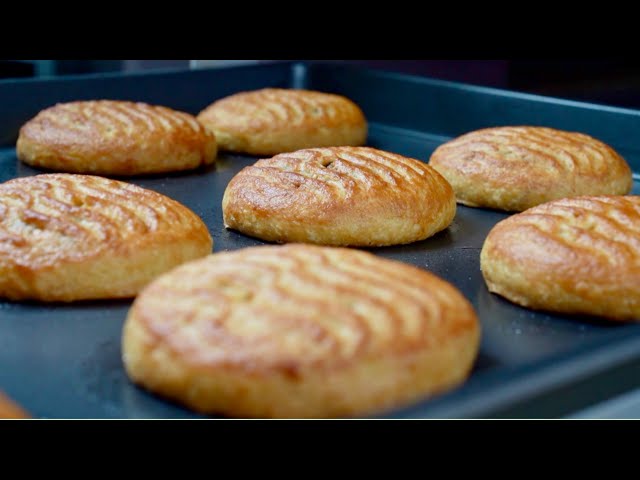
x,y
576,255
112,137
66,237
10,410
277,120
356,196
515,168
299,331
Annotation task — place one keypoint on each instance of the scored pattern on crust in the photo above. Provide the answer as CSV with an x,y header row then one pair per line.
x,y
113,119
342,169
561,151
272,108
295,306
604,227
46,217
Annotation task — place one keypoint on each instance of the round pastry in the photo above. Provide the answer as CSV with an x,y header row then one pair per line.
x,y
299,331
9,410
515,168
110,137
356,196
575,255
66,237
277,120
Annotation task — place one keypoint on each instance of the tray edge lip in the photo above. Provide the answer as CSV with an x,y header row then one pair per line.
x,y
465,86
6,82
309,65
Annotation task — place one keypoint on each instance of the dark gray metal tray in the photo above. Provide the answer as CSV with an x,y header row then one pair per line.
x,y
63,361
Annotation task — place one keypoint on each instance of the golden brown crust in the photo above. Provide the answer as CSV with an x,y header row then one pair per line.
x,y
576,255
67,237
355,196
10,410
299,331
277,120
515,168
111,137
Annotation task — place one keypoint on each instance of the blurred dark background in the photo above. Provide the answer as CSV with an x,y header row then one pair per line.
x,y
612,82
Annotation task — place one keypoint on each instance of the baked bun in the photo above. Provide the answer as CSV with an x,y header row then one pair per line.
x,y
356,196
9,410
515,168
110,137
299,331
577,255
276,120
66,237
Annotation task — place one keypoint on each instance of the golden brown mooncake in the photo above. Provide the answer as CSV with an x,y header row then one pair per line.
x,y
277,120
66,237
577,255
356,196
110,137
299,331
515,168
10,410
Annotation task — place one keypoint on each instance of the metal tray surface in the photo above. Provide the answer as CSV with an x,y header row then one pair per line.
x,y
64,361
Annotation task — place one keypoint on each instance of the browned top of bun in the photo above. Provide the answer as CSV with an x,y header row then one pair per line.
x,y
273,108
339,196
292,306
579,255
515,168
115,137
45,219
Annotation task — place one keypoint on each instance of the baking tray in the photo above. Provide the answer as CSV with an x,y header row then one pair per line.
x,y
63,361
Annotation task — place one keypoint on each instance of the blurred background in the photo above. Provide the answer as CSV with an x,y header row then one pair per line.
x,y
612,82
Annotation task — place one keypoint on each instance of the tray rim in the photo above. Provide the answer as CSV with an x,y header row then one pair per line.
x,y
306,64
496,91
